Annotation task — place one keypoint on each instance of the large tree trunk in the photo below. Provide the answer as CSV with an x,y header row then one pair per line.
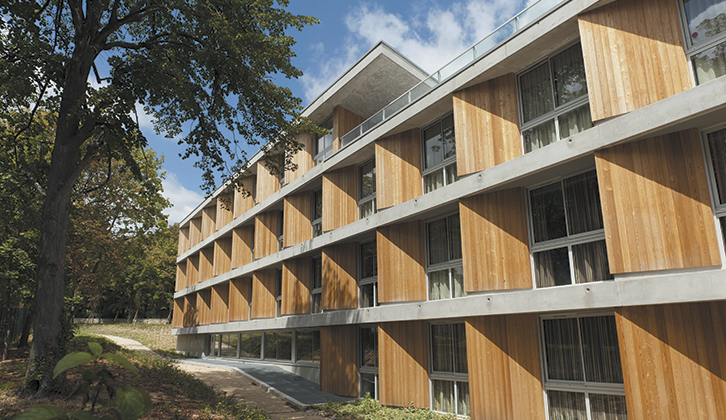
x,y
23,341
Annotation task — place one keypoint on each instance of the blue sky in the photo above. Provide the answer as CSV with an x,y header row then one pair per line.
x,y
428,32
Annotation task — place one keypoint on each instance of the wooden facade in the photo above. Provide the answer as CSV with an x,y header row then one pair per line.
x,y
244,198
209,221
398,157
239,299
403,360
225,209
190,318
266,232
220,303
222,255
296,277
303,158
340,276
343,122
192,270
206,263
339,360
401,262
495,243
340,197
177,320
486,123
204,306
655,191
181,276
195,231
297,223
634,56
183,240
264,293
243,242
267,183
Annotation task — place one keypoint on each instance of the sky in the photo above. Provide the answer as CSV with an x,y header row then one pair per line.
x,y
429,32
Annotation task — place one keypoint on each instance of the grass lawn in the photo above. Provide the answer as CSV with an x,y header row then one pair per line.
x,y
154,336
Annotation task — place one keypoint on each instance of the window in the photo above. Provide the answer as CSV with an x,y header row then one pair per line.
x,y
368,282
367,188
444,269
250,345
449,369
280,230
278,292
368,362
567,234
553,99
278,346
705,23
583,375
716,150
316,289
317,213
439,158
307,346
324,144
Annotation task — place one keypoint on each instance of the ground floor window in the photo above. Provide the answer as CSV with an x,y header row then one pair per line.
x,y
278,346
368,365
449,369
307,346
250,345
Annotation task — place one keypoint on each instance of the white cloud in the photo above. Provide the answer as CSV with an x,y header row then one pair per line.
x,y
183,200
145,120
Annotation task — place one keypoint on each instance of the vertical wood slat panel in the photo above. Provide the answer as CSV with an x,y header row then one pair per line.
x,y
220,303
225,210
634,56
656,204
339,277
398,158
297,223
403,359
266,233
195,231
204,303
181,276
340,197
177,320
339,360
183,240
263,294
267,182
222,255
243,242
296,276
192,270
303,158
206,263
505,375
494,241
190,310
343,122
401,262
239,299
486,123
244,198
209,221
674,360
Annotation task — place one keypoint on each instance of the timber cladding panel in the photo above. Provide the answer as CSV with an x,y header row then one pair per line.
x,y
343,122
195,231
266,233
209,221
674,360
204,306
401,262
243,242
267,182
183,240
244,197
220,303
177,320
656,204
296,275
494,241
192,270
339,360
190,310
634,56
403,360
486,123
398,158
206,263
181,276
505,374
303,158
263,293
339,276
340,197
225,209
297,215
239,299
222,255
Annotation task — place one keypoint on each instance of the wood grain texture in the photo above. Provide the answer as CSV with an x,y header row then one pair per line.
x,y
192,270
177,320
220,303
243,242
401,262
674,360
183,240
263,294
225,212
486,123
340,197
204,306
303,158
298,213
398,158
296,276
403,360
634,56
244,198
505,375
656,204
266,233
267,182
340,276
195,231
494,241
343,122
239,299
222,255
190,310
339,360
206,263
181,276
209,221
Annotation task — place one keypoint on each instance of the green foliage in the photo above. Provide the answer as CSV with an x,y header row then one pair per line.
x,y
370,409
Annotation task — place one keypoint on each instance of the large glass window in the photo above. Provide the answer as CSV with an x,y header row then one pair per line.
x,y
439,146
705,22
250,345
449,369
317,213
278,346
368,282
368,366
568,238
444,265
324,144
582,368
367,188
316,286
717,165
553,98
307,346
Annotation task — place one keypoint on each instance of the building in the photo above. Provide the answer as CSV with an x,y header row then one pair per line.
x,y
534,231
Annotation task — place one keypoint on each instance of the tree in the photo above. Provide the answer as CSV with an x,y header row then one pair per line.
x,y
203,64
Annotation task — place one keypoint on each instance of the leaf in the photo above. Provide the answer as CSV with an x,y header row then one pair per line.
x,y
132,403
83,415
70,361
121,361
41,412
96,348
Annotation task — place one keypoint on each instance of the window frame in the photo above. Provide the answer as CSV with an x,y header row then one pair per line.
x,y
692,49
454,377
370,197
364,369
446,163
719,209
295,358
278,293
281,231
316,291
317,221
367,280
319,156
448,265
